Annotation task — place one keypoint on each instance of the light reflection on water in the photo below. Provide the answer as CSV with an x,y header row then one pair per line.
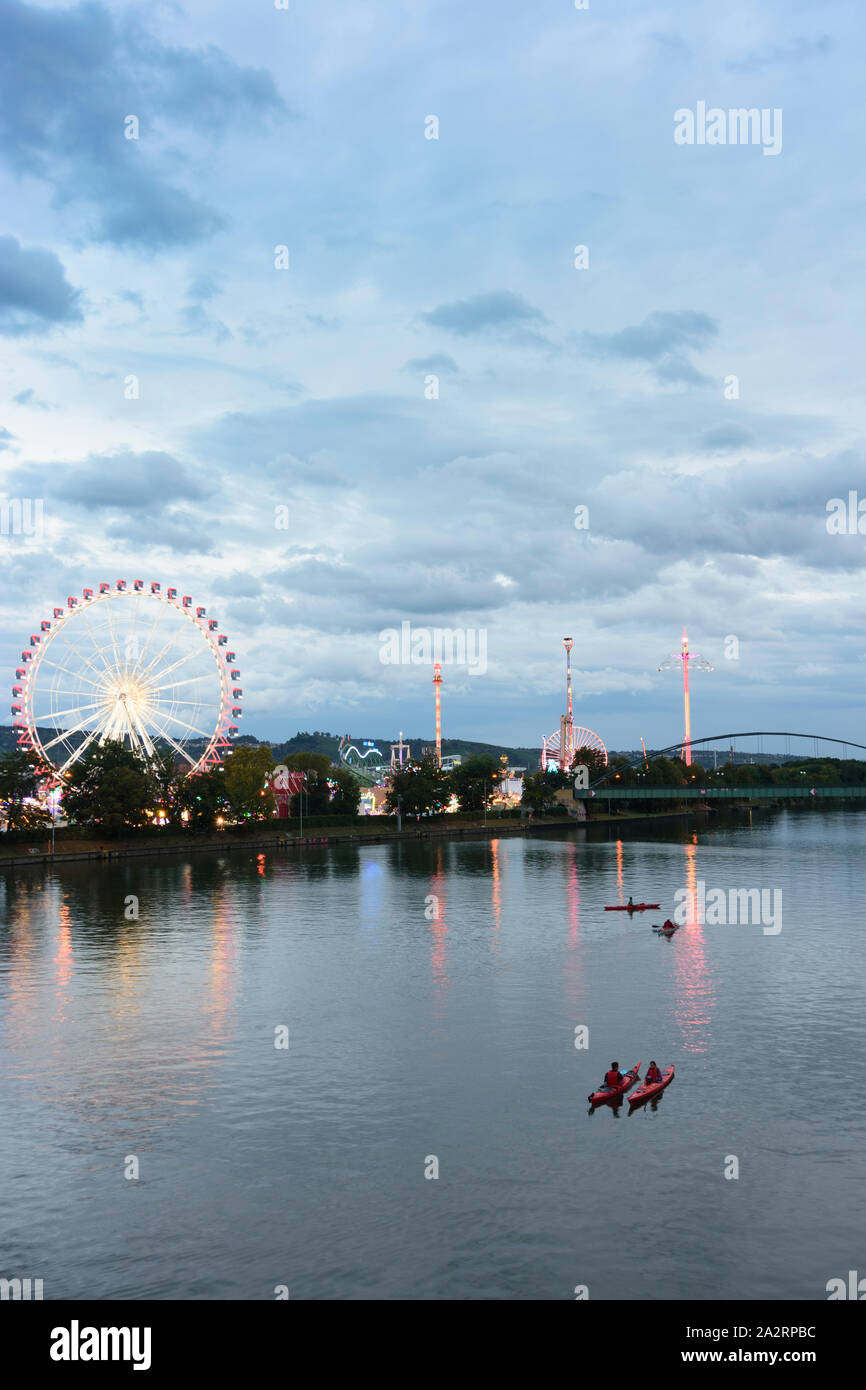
x,y
415,1033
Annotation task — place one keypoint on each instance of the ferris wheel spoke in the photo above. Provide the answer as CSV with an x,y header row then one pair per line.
x,y
159,704
160,613
178,748
76,675
174,719
175,685
179,631
76,728
77,753
96,647
103,672
135,723
75,709
118,662
181,661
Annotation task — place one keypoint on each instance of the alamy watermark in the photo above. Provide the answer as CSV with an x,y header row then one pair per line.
x,y
736,126
22,516
846,518
20,1289
736,907
421,646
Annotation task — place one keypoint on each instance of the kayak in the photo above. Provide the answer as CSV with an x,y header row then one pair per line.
x,y
635,907
655,1088
666,931
630,1077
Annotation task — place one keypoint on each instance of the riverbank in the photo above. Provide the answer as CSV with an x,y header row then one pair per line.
x,y
225,841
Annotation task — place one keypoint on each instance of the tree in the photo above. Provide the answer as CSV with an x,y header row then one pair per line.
x,y
316,794
421,788
591,759
539,789
109,787
347,797
245,777
472,782
165,778
203,797
19,786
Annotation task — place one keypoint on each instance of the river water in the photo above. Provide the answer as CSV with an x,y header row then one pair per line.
x,y
431,993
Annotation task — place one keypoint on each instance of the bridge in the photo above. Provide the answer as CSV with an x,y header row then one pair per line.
x,y
779,792
725,792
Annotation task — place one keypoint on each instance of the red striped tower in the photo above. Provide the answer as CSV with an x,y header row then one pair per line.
x,y
437,688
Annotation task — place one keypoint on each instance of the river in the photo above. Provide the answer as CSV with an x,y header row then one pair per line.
x,y
160,1140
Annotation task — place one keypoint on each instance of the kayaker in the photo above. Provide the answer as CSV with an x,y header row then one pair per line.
x,y
630,903
669,925
613,1079
652,1075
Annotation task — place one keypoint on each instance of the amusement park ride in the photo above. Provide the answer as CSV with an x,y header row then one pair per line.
x,y
132,662
686,657
559,749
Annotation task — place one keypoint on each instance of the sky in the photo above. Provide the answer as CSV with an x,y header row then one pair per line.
x,y
428,407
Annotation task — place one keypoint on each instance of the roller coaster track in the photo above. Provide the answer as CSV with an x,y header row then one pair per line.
x,y
362,772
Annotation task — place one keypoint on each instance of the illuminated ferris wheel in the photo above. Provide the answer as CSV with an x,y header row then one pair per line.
x,y
128,663
552,748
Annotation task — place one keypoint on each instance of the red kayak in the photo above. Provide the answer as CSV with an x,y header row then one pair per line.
x,y
635,907
667,931
630,1077
655,1088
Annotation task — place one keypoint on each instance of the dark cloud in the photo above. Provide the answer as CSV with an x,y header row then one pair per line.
x,y
660,333
660,340
146,482
180,531
28,398
239,585
34,292
798,50
497,310
202,288
676,369
71,77
724,437
196,318
366,436
329,325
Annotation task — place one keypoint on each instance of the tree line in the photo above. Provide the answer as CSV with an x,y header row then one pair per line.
x,y
113,788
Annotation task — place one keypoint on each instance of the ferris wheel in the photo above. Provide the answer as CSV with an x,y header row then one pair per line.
x,y
129,663
551,751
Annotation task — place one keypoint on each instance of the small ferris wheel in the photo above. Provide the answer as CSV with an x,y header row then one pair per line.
x,y
551,752
132,663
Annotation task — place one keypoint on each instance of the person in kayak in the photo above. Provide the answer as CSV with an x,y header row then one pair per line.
x,y
652,1075
668,925
630,902
613,1079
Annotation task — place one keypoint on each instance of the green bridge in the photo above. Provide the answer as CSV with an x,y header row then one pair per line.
x,y
765,793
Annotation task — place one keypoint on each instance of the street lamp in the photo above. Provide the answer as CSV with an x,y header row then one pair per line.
x,y
313,778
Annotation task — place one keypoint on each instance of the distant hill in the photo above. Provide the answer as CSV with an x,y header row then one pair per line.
x,y
318,742
329,744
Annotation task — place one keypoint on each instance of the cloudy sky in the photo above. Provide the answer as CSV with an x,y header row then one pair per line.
x,y
286,459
